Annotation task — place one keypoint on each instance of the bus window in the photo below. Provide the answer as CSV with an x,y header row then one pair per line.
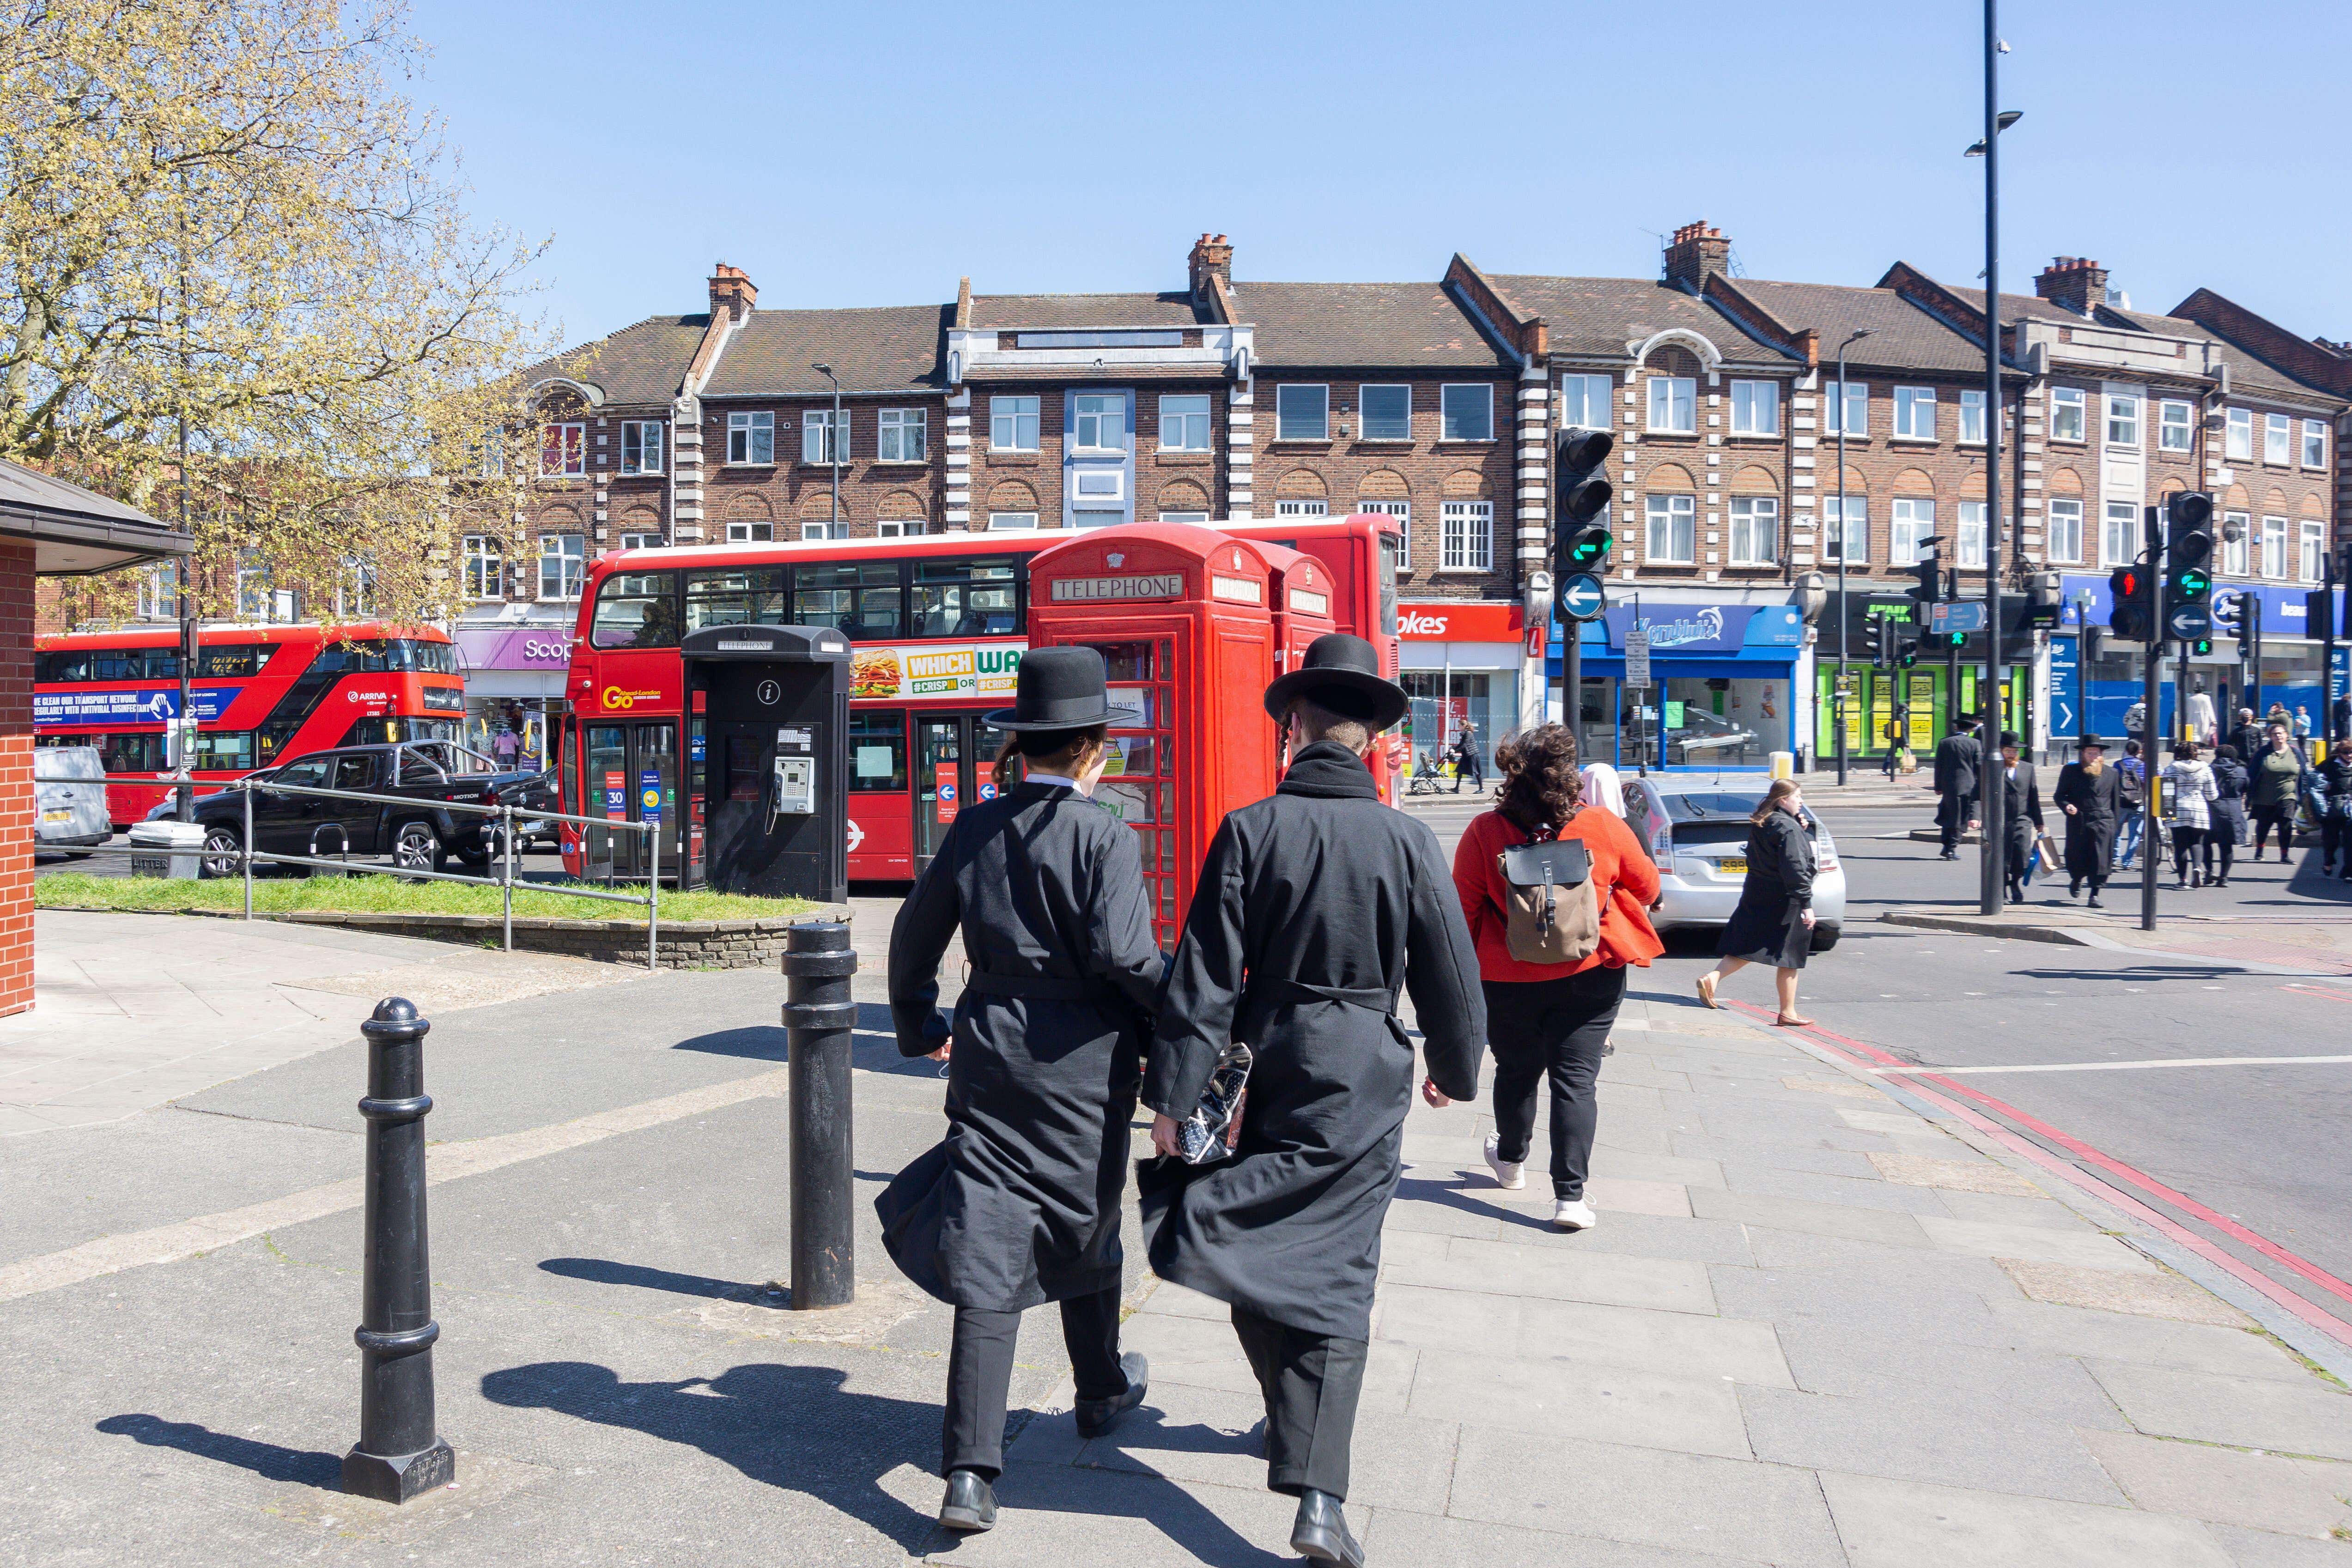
x,y
965,599
136,754
224,751
861,600
878,751
742,596
636,609
1389,545
229,659
425,658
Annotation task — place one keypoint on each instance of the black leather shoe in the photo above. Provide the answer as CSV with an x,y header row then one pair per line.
x,y
1096,1417
1949,855
970,1506
1320,1533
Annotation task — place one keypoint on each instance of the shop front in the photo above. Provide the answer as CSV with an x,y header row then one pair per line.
x,y
514,689
1460,664
2287,675
1723,684
1894,709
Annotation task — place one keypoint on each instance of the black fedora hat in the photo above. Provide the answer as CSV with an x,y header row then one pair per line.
x,y
1061,689
2090,741
1341,673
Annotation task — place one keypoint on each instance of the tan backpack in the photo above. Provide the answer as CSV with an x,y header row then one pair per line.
x,y
1552,913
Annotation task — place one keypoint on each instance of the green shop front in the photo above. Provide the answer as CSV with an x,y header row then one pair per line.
x,y
1887,709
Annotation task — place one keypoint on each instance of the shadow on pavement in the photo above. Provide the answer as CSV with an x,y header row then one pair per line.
x,y
2137,971
873,1044
1457,1197
267,1460
605,1271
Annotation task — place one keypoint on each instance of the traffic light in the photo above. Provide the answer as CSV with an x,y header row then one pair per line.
x,y
1956,639
2095,643
1906,654
1580,536
1930,570
2200,646
1879,637
2131,614
2187,548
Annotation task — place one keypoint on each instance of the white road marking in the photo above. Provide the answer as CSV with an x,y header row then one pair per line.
x,y
2118,1067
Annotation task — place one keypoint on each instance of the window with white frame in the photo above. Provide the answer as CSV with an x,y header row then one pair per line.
x,y
1011,427
1914,520
1972,533
1466,411
1755,530
2236,543
1302,412
483,578
1099,421
1403,511
159,593
2174,429
752,437
641,541
2306,555
1184,422
1915,413
2118,532
1972,417
563,449
1673,530
1302,508
562,559
1584,402
2062,529
1847,535
2315,443
1183,517
2123,419
741,531
1848,403
900,528
2066,413
1756,408
2238,436
2274,547
355,586
1674,405
1385,412
256,597
824,437
1467,536
820,528
641,446
2276,438
899,437
1013,522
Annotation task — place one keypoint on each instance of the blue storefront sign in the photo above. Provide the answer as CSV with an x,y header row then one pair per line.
x,y
1696,639
2283,607
2067,716
147,705
1732,647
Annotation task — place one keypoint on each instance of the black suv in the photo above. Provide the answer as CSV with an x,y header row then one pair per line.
x,y
419,833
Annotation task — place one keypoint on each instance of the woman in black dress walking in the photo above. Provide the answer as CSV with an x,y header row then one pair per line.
x,y
1774,922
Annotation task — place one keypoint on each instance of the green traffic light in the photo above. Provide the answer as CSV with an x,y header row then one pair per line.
x,y
2203,645
1957,639
1588,550
2193,581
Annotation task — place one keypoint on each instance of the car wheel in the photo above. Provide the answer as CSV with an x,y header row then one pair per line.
x,y
416,847
221,850
1826,937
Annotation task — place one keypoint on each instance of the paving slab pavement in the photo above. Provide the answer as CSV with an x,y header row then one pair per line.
x,y
1811,1327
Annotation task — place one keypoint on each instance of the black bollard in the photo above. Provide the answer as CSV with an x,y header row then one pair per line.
x,y
818,1017
398,1456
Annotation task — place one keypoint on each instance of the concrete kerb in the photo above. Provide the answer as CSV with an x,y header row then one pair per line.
x,y
2030,928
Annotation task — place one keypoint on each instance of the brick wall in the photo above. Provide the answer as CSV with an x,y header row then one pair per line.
x,y
789,492
16,775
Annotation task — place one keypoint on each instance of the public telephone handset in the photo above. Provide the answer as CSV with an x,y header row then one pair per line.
x,y
793,789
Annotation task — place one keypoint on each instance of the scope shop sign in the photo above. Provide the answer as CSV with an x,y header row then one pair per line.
x,y
147,705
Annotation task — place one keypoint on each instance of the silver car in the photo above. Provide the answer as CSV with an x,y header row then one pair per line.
x,y
1696,826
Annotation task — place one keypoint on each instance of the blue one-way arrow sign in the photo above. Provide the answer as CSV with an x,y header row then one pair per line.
x,y
1581,596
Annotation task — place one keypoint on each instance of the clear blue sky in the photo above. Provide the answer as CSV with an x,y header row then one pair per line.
x,y
1082,147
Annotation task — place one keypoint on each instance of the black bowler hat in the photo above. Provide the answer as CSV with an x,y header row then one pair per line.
x,y
2089,741
1341,673
1061,689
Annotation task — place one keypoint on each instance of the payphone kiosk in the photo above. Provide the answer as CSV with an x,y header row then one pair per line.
x,y
1299,591
767,760
1183,621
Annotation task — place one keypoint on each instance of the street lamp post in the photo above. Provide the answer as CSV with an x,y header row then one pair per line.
x,y
1838,706
836,439
1992,879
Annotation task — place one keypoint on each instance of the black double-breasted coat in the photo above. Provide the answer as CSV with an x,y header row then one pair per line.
x,y
2097,800
1315,906
1020,1202
1768,925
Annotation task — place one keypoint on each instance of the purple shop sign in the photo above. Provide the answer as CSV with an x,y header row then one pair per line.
x,y
540,647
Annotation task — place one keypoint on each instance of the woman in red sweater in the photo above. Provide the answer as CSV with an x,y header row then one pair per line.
x,y
1551,1019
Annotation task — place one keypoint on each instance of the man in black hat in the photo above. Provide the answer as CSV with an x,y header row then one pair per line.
x,y
1958,758
1019,1205
2090,793
1314,907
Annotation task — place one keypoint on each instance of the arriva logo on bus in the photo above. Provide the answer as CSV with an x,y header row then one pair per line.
x,y
615,696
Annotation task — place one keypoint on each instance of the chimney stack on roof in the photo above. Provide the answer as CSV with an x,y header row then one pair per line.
x,y
1696,251
732,292
1212,258
2074,282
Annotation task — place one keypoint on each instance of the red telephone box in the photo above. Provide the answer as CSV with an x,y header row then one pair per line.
x,y
1185,621
1299,596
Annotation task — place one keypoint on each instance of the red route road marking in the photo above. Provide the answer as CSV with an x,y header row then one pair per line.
x,y
2319,1318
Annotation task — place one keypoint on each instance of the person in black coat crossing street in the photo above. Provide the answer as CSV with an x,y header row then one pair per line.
x,y
1957,760
1020,1204
2091,795
2021,813
1314,907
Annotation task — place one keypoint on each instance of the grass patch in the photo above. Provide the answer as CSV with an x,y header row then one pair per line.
x,y
389,895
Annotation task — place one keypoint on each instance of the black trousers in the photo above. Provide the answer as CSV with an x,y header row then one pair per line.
x,y
1952,816
1311,1383
2336,837
2283,816
2224,836
980,1375
2185,840
1556,1029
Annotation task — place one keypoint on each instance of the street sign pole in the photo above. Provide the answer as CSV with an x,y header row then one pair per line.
x,y
1571,679
2152,695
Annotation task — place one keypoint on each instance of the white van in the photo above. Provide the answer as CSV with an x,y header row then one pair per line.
x,y
68,798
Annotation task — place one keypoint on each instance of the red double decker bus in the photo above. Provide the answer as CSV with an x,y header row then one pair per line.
x,y
261,694
938,625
